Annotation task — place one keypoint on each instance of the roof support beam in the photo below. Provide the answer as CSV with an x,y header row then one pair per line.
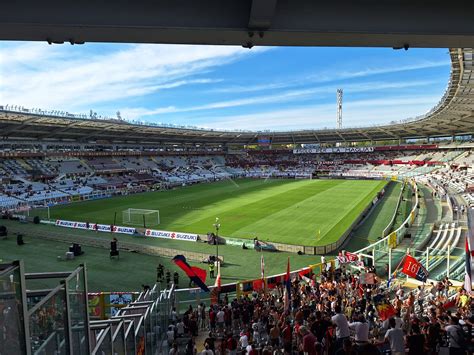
x,y
301,23
261,14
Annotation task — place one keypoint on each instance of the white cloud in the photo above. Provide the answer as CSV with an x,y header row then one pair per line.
x,y
351,74
332,76
355,113
282,97
64,77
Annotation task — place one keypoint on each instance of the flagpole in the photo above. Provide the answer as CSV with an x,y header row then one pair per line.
x,y
396,269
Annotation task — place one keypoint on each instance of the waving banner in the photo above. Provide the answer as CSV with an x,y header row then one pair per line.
x,y
413,268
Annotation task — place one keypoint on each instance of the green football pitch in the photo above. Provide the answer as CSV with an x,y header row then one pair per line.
x,y
302,212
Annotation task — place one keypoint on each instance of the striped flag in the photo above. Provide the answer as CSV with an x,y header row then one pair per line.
x,y
287,291
197,275
468,276
217,284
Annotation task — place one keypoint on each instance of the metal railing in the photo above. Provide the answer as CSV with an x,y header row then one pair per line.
x,y
59,321
390,224
139,327
15,338
394,238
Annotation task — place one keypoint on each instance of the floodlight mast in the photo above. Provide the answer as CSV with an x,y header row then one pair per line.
x,y
339,95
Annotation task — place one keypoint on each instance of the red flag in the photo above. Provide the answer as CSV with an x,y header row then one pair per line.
x,y
304,272
201,273
450,304
385,311
273,281
258,285
218,278
194,273
413,268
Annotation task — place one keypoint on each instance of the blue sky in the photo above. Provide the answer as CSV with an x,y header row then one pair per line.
x,y
225,87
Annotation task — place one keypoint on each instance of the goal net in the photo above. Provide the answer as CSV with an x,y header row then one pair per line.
x,y
140,217
25,212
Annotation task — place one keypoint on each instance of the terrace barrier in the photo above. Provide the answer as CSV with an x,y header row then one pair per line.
x,y
386,244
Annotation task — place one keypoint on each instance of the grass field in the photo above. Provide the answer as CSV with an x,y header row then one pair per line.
x,y
133,269
305,212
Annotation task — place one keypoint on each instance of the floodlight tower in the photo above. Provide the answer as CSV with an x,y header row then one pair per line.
x,y
339,108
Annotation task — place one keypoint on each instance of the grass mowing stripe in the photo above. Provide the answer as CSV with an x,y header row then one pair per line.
x,y
298,221
244,218
236,209
352,212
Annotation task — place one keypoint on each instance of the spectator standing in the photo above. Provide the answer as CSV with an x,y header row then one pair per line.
x,y
342,327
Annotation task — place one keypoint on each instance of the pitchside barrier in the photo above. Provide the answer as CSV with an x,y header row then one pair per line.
x,y
390,224
105,244
384,246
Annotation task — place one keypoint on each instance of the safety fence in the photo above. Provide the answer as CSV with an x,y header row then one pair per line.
x,y
137,328
383,247
55,320
390,224
52,320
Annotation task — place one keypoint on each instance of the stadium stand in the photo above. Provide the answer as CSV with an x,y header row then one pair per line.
x,y
302,311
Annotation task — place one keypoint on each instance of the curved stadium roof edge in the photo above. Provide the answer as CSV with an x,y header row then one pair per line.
x,y
453,115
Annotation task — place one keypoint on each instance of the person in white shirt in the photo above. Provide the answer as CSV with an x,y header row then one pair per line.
x,y
398,323
394,337
220,319
361,328
342,327
207,351
420,297
243,341
180,328
174,315
256,332
170,335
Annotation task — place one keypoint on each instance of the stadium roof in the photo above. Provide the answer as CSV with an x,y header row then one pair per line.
x,y
386,23
454,115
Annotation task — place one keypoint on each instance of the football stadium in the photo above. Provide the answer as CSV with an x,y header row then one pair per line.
x,y
128,236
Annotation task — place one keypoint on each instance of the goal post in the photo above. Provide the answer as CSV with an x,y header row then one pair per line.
x,y
141,217
25,212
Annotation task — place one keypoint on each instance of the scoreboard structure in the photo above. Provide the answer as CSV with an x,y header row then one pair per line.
x,y
264,141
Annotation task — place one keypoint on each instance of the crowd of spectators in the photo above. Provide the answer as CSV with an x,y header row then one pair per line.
x,y
330,314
